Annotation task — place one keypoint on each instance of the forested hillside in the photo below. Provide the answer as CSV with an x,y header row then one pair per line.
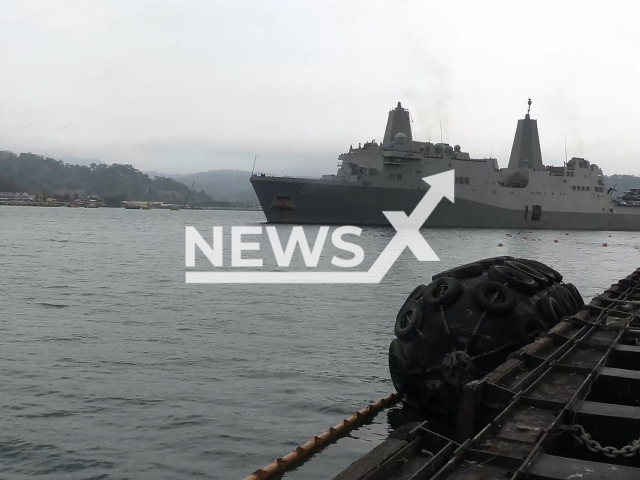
x,y
8,185
35,173
231,185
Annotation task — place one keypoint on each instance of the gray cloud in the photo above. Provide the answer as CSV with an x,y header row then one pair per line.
x,y
183,86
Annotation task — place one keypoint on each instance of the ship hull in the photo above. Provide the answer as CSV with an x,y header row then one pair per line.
x,y
302,201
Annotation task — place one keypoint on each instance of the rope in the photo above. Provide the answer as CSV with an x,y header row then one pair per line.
x,y
318,442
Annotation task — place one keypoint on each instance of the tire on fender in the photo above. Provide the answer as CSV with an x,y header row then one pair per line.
x,y
485,291
516,279
442,291
408,320
550,310
573,291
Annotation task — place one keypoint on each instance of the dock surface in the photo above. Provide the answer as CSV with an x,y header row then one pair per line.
x,y
566,406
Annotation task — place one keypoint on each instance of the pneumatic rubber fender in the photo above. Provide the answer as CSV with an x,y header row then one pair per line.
x,y
473,316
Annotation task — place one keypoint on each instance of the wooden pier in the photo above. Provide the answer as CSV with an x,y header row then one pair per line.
x,y
566,406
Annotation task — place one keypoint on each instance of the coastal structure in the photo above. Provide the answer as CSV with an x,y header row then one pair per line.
x,y
16,197
564,406
373,178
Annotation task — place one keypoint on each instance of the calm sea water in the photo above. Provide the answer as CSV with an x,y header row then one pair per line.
x,y
112,367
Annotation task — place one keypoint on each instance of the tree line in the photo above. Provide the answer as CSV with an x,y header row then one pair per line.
x,y
114,183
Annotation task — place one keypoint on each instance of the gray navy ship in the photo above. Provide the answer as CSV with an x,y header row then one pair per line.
x,y
388,177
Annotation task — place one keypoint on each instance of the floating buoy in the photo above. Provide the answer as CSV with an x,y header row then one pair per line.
x,y
604,244
524,238
499,244
555,241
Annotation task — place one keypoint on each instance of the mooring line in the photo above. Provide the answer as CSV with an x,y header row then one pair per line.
x,y
314,445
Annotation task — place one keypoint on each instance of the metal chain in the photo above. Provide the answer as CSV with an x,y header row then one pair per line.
x,y
495,350
477,327
612,452
446,327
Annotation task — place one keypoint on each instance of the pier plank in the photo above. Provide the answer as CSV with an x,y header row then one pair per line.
x,y
550,467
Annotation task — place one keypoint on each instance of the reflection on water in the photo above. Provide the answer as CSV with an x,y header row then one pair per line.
x,y
110,365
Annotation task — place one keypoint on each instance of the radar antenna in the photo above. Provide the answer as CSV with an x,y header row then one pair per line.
x,y
613,189
529,103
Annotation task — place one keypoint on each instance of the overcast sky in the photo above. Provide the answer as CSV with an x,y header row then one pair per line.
x,y
192,85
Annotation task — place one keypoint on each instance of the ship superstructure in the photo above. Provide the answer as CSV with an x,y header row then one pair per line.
x,y
374,177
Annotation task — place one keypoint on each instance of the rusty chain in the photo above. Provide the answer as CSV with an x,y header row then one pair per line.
x,y
612,452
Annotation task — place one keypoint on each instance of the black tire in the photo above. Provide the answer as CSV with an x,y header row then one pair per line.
x,y
575,308
442,291
465,271
417,292
550,310
516,279
489,262
548,271
571,288
562,298
530,326
408,320
540,278
485,291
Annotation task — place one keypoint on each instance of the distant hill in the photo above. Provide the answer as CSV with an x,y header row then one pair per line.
x,y
115,183
229,185
8,185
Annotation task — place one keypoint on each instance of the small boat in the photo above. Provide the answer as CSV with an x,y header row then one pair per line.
x,y
132,207
174,208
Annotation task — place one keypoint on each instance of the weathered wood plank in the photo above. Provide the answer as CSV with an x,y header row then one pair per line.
x,y
549,467
625,412
620,374
376,457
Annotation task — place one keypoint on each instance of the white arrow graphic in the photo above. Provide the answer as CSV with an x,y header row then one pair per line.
x,y
407,235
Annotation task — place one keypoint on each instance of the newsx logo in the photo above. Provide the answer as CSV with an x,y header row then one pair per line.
x,y
282,255
407,235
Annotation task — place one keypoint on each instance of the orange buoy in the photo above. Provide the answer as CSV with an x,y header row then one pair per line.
x,y
499,244
524,238
604,244
555,241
